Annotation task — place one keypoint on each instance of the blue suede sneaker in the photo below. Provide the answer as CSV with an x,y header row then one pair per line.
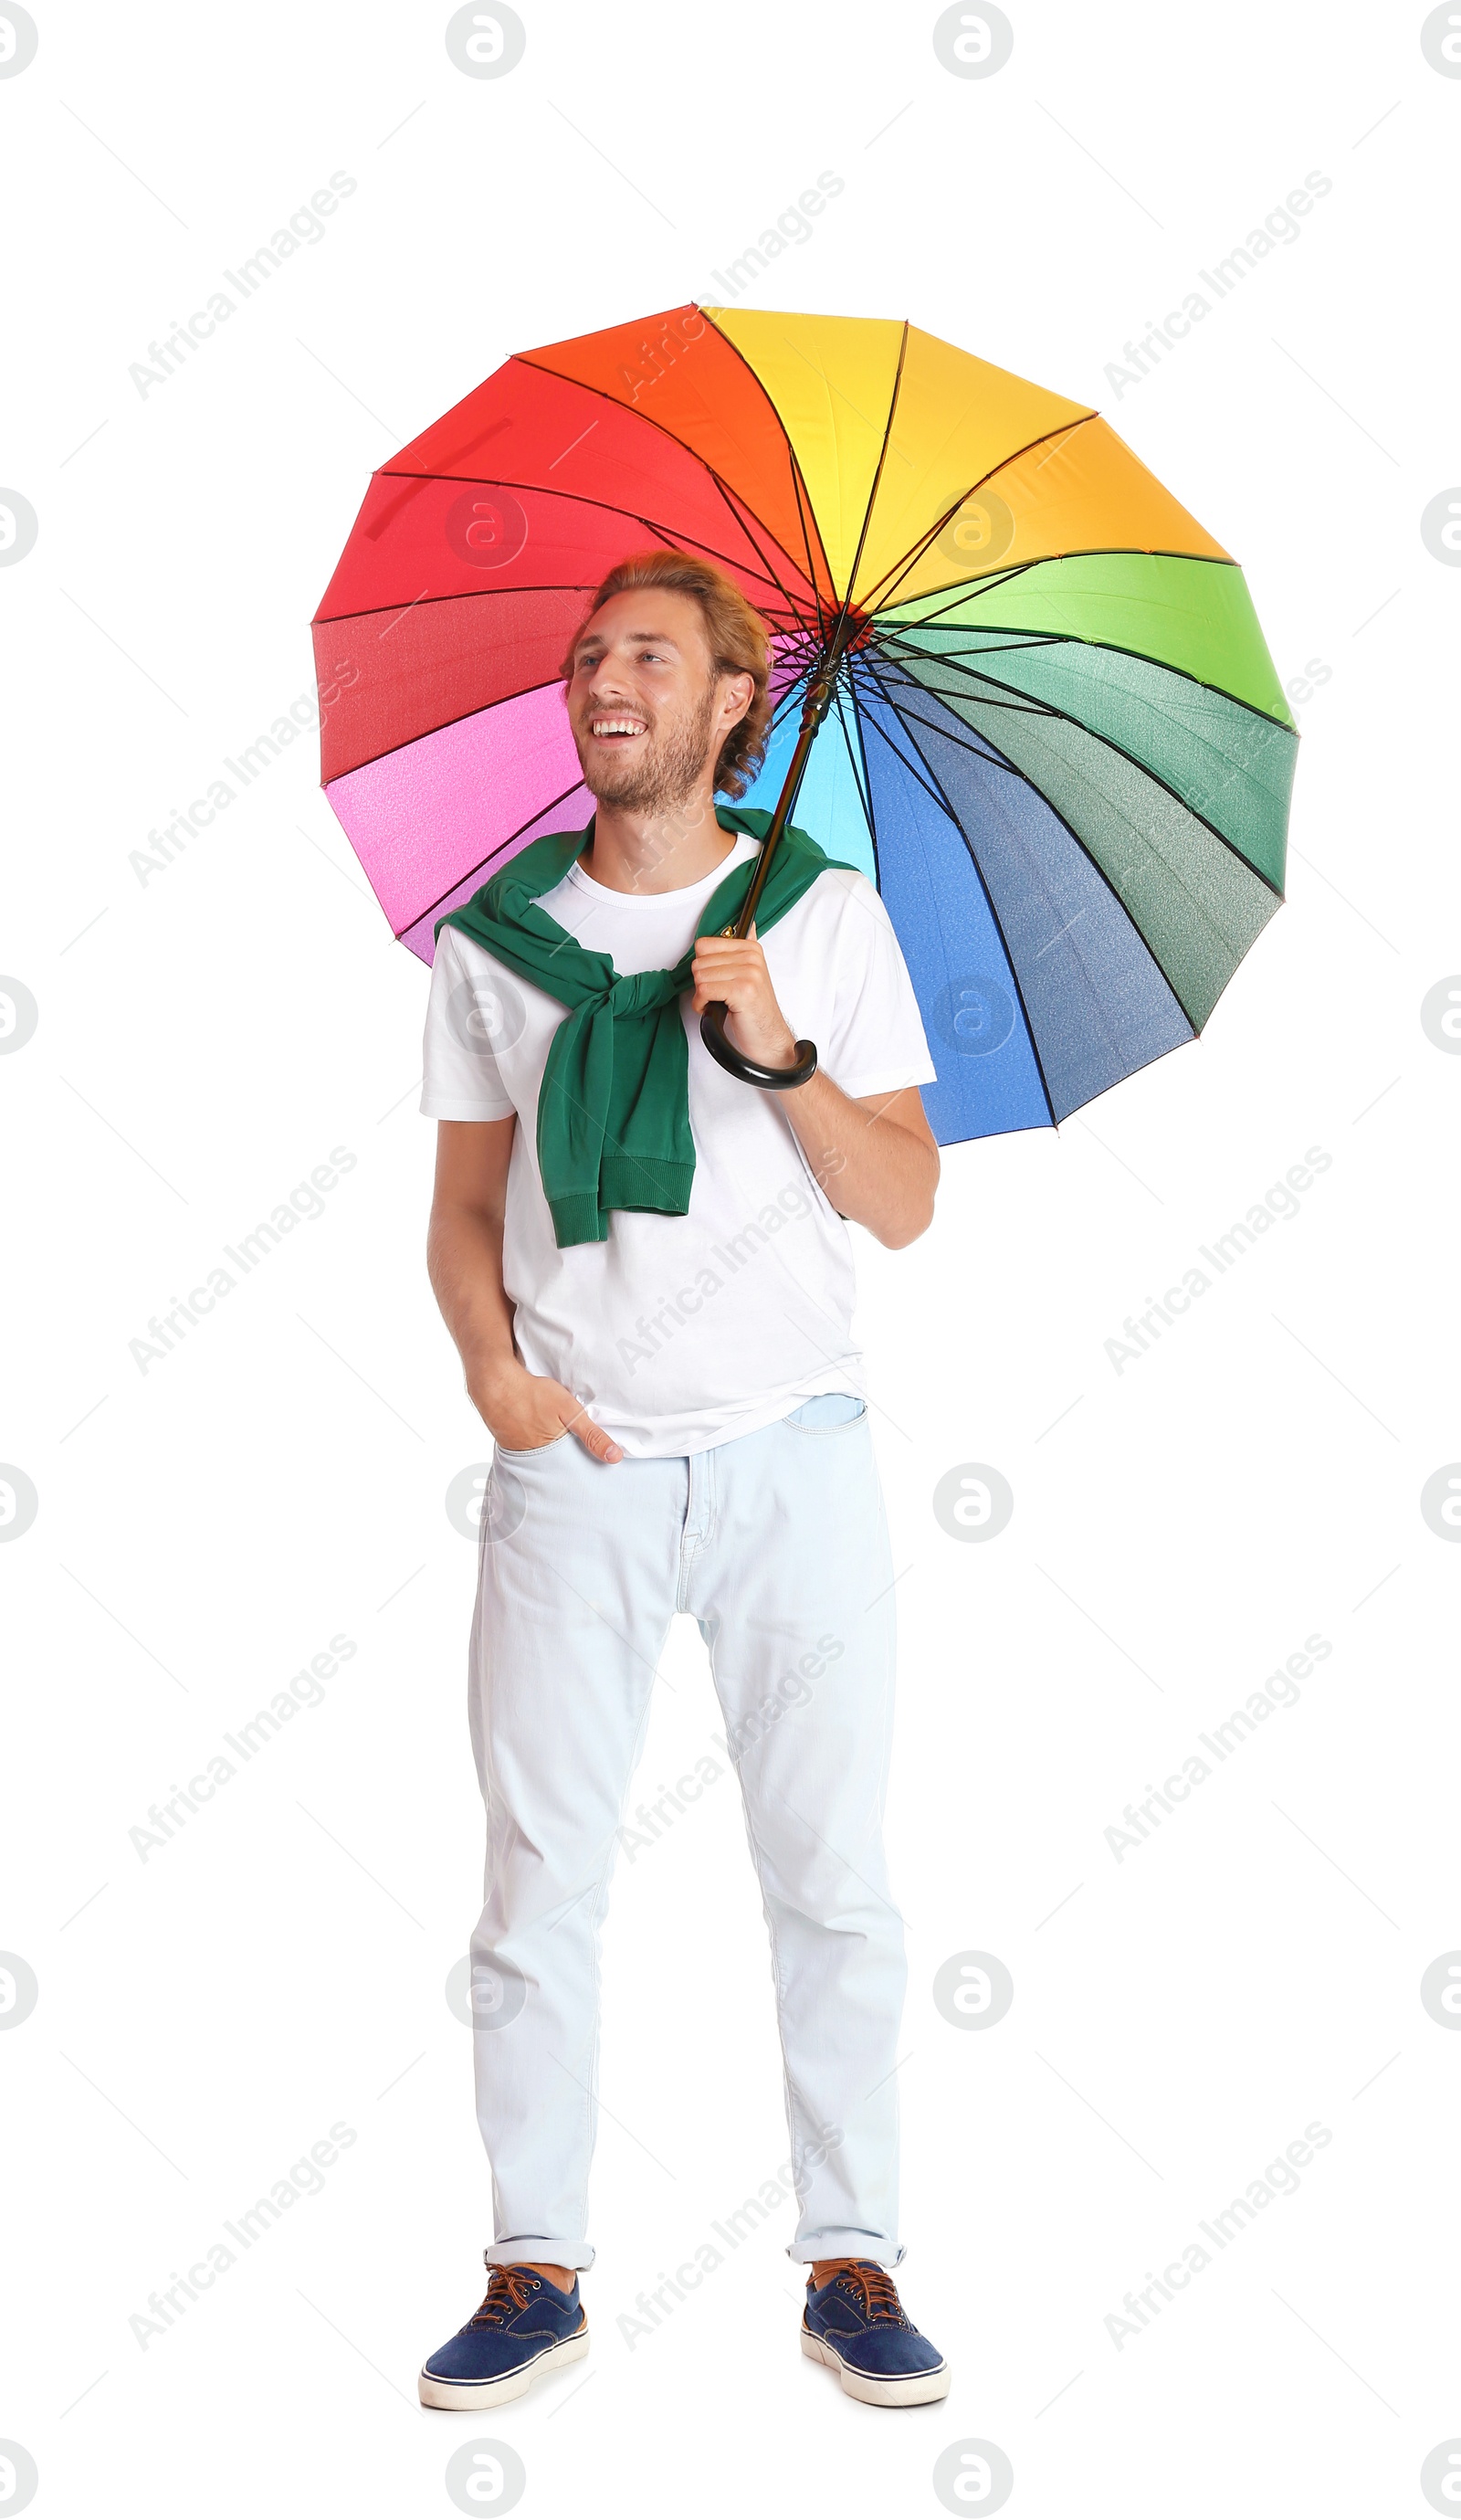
x,y
858,2327
525,2325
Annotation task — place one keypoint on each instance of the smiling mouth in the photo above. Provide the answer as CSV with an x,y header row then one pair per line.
x,y
616,730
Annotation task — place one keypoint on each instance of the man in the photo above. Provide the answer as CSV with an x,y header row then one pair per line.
x,y
644,1267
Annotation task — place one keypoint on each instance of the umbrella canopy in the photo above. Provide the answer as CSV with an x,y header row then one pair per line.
x,y
1056,740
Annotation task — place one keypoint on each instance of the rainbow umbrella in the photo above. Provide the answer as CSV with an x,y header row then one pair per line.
x,y
1015,680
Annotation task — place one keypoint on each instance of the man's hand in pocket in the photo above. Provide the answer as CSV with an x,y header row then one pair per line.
x,y
525,1410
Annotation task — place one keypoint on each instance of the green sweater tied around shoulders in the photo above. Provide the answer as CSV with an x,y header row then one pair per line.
x,y
613,1111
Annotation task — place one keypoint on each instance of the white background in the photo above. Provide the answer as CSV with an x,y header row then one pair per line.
x,y
207,1037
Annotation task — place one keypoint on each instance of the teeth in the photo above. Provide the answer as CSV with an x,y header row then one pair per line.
x,y
617,726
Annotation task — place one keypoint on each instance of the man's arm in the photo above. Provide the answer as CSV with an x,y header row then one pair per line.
x,y
876,1157
465,1264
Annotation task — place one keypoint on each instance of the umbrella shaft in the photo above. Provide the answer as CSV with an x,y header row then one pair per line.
x,y
814,708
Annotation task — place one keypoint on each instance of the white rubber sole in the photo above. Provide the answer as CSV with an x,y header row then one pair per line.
x,y
463,2397
915,2389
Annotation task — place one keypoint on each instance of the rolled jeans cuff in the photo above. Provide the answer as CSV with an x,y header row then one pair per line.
x,y
843,2244
536,2246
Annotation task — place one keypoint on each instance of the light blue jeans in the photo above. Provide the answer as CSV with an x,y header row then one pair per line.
x,y
778,1545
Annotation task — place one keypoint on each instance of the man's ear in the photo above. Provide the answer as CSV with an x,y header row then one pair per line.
x,y
735,685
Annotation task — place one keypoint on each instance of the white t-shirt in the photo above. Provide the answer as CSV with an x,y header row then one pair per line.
x,y
680,1331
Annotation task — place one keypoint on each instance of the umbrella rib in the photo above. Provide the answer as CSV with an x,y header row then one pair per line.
x,y
1087,551
464,594
614,507
553,803
909,717
959,593
1009,642
878,475
482,709
1003,696
563,586
1010,630
1067,717
807,519
852,574
859,776
933,782
904,635
739,505
1074,942
783,706
883,592
866,787
1232,768
804,511
914,764
863,794
968,739
735,503
529,361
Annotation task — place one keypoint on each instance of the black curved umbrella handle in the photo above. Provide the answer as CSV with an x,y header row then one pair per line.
x,y
777,1080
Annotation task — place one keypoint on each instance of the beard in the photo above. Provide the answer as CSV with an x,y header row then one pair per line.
x,y
669,771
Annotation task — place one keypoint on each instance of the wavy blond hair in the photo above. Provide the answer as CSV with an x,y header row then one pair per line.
x,y
735,634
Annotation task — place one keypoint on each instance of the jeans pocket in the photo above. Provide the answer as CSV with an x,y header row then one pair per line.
x,y
534,1451
829,1411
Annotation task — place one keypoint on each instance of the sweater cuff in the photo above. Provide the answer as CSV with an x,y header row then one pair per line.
x,y
577,1218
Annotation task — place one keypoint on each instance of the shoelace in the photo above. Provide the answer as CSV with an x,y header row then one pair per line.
x,y
508,2291
876,2291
